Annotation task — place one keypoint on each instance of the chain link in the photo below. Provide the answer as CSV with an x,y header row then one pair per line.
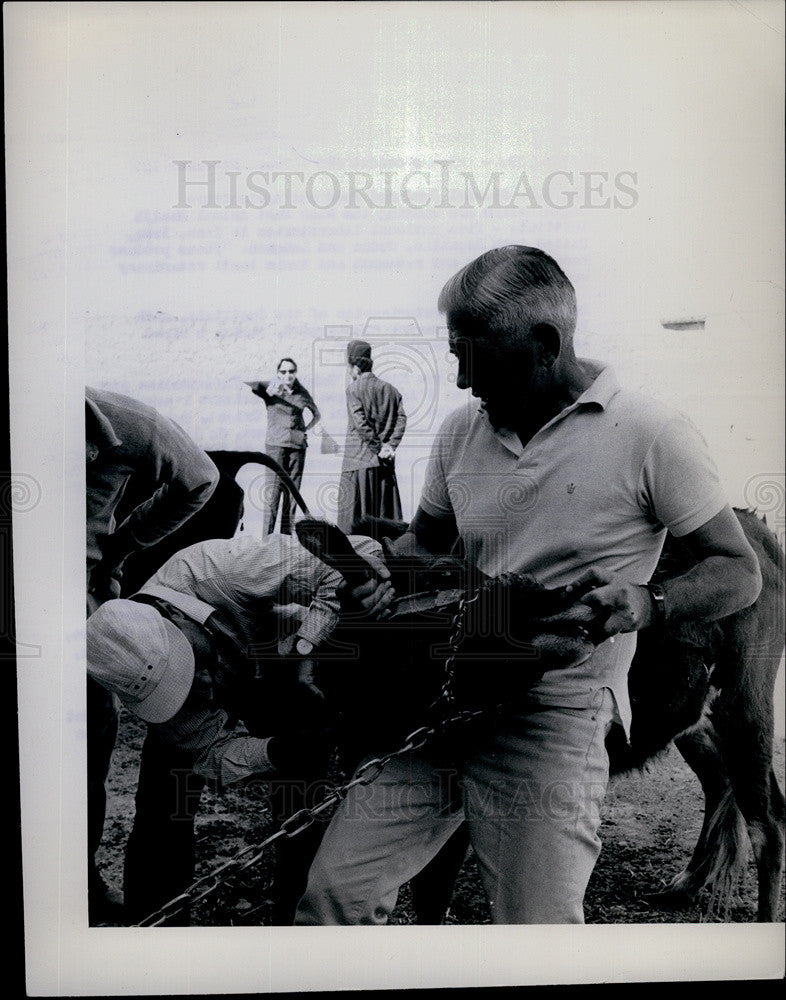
x,y
364,775
447,695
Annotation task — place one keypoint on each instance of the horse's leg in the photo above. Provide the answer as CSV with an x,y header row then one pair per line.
x,y
700,752
432,888
767,838
746,731
753,648
771,866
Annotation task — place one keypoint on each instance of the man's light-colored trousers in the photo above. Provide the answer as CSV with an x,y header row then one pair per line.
x,y
531,796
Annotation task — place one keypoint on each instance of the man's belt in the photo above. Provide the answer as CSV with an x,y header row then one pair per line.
x,y
223,642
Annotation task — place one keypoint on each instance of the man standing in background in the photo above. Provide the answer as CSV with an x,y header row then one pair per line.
x,y
139,459
375,428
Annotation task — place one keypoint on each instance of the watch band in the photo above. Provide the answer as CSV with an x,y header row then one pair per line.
x,y
658,598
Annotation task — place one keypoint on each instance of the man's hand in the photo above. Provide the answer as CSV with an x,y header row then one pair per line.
x,y
387,451
301,752
619,606
106,574
306,678
104,582
725,579
278,388
373,596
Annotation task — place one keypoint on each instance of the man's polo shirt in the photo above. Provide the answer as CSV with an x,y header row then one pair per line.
x,y
597,486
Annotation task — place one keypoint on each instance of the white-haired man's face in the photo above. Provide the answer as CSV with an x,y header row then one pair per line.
x,y
501,372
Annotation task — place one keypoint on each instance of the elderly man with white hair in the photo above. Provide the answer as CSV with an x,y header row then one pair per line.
x,y
560,473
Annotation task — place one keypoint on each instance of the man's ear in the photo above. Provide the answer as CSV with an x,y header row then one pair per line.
x,y
546,340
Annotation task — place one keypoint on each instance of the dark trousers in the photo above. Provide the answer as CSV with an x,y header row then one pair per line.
x,y
101,736
372,491
291,461
160,854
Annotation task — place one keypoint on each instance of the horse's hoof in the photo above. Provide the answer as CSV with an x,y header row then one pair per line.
x,y
670,899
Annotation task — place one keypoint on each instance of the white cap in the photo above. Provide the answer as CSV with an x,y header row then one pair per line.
x,y
141,657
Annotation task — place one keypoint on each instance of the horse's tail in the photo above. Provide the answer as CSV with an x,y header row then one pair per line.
x,y
724,852
728,846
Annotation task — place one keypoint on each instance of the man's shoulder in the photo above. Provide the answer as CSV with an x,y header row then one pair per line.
x,y
212,557
463,428
120,409
461,420
354,387
379,385
641,412
145,432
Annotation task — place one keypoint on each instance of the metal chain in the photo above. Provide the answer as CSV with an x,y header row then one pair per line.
x,y
364,775
447,695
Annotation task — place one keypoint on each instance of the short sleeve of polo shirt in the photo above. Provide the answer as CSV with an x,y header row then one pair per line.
x,y
679,483
435,499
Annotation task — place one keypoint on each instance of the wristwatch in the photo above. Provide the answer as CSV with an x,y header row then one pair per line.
x,y
658,599
303,647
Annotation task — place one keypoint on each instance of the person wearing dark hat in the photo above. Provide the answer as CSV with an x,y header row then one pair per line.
x,y
376,425
195,653
286,400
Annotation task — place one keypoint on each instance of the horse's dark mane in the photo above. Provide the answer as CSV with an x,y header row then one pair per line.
x,y
757,530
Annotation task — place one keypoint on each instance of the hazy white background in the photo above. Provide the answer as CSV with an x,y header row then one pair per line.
x,y
178,305
112,284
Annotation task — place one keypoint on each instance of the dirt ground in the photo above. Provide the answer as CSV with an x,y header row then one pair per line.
x,y
650,824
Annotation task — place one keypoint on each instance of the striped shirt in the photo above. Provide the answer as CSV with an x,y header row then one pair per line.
x,y
250,579
262,589
223,752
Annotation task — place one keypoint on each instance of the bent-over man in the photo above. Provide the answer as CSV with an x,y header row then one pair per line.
x,y
237,602
141,461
